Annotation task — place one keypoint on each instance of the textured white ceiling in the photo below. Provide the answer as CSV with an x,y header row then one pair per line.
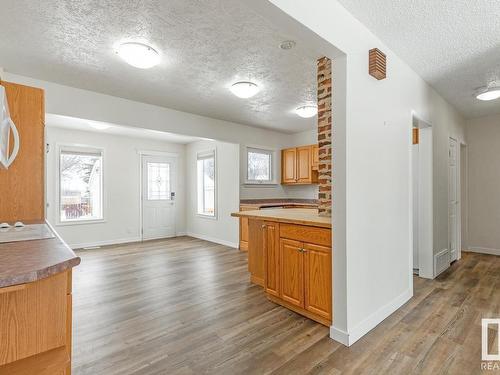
x,y
453,44
73,123
205,45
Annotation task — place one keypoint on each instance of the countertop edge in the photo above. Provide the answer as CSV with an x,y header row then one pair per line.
x,y
282,220
40,274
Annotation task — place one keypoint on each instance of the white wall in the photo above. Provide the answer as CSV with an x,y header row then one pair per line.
x,y
483,146
373,119
89,105
223,228
121,186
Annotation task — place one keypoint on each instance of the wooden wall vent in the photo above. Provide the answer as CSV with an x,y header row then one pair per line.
x,y
377,64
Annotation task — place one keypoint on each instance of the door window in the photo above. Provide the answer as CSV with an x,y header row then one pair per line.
x,y
158,181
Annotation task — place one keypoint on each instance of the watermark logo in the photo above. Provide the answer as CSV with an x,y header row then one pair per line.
x,y
490,356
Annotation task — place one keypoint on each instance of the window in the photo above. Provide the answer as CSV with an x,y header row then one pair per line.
x,y
206,183
259,166
80,185
158,181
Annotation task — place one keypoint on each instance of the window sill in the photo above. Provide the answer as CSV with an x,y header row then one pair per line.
x,y
79,222
210,217
257,184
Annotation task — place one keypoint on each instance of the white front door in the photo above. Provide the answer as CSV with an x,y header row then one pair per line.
x,y
453,200
158,196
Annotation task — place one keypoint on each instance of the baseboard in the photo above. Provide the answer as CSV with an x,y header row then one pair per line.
x,y
339,335
104,243
365,326
441,261
483,250
212,239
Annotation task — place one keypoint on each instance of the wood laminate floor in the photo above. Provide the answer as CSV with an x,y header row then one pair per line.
x,y
185,306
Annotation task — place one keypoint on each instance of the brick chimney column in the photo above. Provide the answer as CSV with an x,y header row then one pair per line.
x,y
325,135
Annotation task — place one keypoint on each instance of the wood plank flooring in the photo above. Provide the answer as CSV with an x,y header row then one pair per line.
x,y
185,306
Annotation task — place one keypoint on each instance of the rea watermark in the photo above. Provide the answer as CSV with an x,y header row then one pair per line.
x,y
491,360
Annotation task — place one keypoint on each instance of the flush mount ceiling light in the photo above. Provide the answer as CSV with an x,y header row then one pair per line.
x,y
244,89
307,111
138,55
490,92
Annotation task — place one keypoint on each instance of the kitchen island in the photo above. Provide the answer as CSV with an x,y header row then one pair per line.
x,y
36,306
290,255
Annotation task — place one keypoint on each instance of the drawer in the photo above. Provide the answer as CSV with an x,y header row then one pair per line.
x,y
304,233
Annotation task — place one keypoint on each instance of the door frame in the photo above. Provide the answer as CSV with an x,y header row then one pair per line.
x,y
425,199
458,226
464,192
141,154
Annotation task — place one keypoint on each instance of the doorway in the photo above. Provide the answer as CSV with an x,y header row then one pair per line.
x,y
422,201
463,209
158,186
453,199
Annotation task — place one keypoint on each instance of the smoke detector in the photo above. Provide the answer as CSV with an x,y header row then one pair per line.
x,y
287,44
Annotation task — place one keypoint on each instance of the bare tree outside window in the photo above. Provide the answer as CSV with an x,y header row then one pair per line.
x,y
80,190
259,163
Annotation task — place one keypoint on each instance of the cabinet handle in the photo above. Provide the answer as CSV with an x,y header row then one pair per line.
x,y
263,226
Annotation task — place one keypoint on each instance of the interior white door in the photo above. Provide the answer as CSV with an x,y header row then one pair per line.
x,y
453,200
158,196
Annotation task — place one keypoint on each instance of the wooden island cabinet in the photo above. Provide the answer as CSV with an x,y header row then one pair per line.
x,y
291,258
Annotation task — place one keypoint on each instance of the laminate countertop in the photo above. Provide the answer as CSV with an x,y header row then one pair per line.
x,y
263,203
28,261
301,216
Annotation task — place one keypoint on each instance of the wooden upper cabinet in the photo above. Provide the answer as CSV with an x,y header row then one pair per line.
x,y
288,166
315,157
22,185
291,271
297,166
272,255
318,280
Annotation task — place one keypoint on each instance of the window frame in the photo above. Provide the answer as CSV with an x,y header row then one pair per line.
x,y
204,155
68,147
272,164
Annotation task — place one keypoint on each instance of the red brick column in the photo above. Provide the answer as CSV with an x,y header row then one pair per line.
x,y
325,135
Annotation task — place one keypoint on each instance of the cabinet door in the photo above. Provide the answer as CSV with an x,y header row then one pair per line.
x,y
243,233
272,261
292,272
288,165
315,157
22,185
304,164
256,251
318,280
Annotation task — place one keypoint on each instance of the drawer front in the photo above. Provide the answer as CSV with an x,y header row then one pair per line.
x,y
33,319
303,233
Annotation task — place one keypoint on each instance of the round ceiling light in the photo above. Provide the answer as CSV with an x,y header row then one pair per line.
x,y
244,89
491,92
138,55
307,111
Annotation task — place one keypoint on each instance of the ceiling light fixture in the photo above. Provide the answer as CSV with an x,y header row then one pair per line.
x,y
244,89
307,111
138,55
490,92
288,44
